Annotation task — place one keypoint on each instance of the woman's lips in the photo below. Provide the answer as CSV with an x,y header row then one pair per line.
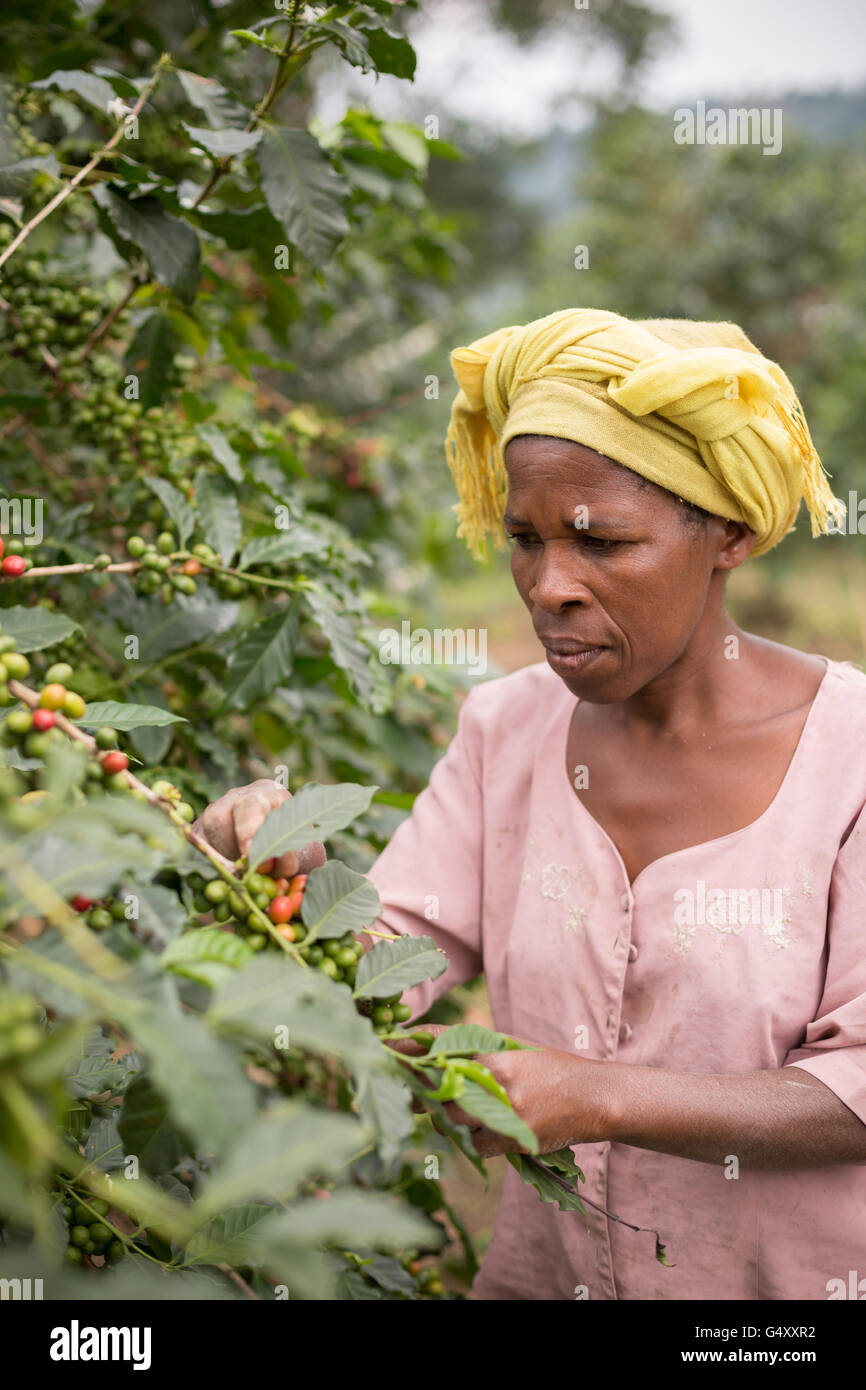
x,y
569,663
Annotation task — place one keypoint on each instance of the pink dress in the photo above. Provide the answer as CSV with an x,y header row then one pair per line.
x,y
747,952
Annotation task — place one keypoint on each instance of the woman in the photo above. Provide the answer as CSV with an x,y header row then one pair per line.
x,y
653,842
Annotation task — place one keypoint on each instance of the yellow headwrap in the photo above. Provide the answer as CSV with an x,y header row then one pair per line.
x,y
694,407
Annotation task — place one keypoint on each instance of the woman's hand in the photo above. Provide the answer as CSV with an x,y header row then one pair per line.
x,y
560,1097
229,825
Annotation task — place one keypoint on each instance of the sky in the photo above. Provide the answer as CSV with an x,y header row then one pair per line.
x,y
725,48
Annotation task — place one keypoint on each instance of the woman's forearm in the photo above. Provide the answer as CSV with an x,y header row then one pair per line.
x,y
766,1119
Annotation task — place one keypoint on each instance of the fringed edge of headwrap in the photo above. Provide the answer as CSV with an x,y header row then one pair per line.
x,y
478,469
824,508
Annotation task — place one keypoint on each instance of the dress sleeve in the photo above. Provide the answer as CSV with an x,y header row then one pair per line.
x,y
429,876
834,1047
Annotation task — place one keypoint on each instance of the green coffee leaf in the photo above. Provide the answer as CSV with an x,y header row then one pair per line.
x,y
125,717
222,451
223,144
219,106
218,511
176,506
169,246
397,965
313,813
36,628
262,660
280,1150
495,1114
337,900
303,191
150,357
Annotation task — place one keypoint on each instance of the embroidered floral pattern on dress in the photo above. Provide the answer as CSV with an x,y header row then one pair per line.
x,y
558,883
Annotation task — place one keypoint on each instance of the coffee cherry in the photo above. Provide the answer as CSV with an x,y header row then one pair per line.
x,y
60,672
102,562
43,719
116,1251
99,919
402,1013
185,811
17,666
13,566
79,1235
52,696
19,722
105,738
345,958
136,546
164,789
191,567
216,891
165,542
74,707
328,966
280,909
383,1014
73,1255
118,783
115,762
82,904
38,745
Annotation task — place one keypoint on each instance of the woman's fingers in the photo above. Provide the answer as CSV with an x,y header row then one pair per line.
x,y
409,1047
230,824
300,861
249,811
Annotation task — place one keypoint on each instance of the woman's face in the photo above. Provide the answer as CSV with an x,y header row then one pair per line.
x,y
616,580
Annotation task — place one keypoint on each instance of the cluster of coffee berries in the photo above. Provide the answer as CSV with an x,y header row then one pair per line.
x,y
89,1231
166,791
48,312
105,418
14,666
12,565
229,906
157,572
36,729
428,1278
20,1033
101,913
22,108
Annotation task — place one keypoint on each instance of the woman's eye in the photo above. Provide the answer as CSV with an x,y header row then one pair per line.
x,y
599,544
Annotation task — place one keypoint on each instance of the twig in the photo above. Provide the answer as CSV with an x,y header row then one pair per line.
x,y
241,1283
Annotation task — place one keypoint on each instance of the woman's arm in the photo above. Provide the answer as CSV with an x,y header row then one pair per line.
x,y
784,1118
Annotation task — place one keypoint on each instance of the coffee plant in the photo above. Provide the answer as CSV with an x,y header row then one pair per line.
x,y
199,1095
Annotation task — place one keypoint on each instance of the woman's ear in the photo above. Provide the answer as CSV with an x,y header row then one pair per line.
x,y
736,544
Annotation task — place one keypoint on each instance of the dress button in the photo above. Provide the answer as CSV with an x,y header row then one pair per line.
x,y
632,951
625,902
624,1032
